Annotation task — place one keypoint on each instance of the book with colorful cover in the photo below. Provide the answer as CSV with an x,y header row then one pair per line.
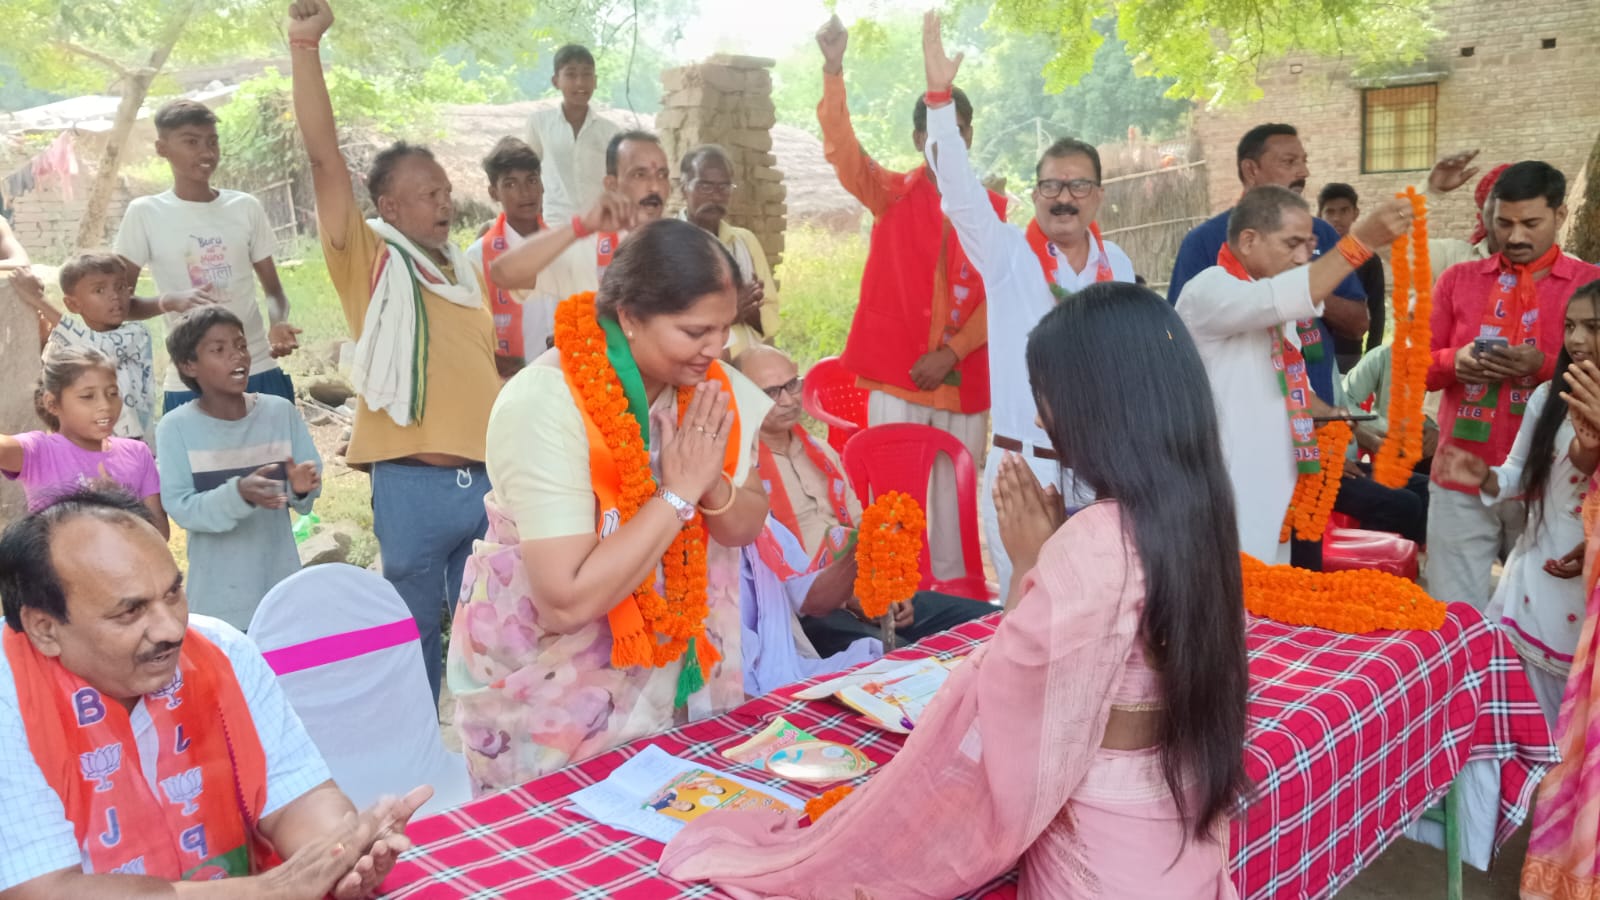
x,y
895,699
778,734
655,794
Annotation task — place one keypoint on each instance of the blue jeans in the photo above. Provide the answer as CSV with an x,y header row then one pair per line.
x,y
273,381
426,519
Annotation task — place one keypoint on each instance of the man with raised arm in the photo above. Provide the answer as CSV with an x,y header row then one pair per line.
x,y
1026,272
424,366
918,338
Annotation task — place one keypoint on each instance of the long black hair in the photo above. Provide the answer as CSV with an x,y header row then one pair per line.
x,y
1125,399
1542,449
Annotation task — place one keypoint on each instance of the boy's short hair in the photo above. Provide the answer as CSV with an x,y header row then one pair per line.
x,y
572,53
1336,190
183,341
85,264
382,170
178,113
510,155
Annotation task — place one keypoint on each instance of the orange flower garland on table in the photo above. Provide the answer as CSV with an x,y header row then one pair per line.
x,y
1409,350
1314,492
1352,602
681,614
816,806
887,553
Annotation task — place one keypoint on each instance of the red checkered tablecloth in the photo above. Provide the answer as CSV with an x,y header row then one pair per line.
x,y
1351,738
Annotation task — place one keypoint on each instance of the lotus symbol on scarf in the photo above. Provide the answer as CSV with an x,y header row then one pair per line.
x,y
184,788
170,692
133,866
99,764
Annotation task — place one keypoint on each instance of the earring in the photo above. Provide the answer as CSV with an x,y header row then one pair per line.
x,y
630,335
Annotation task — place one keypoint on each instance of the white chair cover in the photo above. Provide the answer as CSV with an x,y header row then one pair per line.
x,y
346,652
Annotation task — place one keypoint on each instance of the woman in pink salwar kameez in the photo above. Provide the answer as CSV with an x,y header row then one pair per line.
x,y
1096,740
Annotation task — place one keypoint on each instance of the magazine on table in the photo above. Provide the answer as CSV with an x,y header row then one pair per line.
x,y
655,794
894,698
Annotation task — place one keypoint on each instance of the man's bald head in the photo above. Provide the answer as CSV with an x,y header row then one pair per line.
x,y
773,370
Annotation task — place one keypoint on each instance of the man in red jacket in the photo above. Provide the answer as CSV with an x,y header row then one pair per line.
x,y
919,338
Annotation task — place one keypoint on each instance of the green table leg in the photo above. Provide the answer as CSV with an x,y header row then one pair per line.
x,y
1448,814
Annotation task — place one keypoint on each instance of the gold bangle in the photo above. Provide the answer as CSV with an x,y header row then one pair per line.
x,y
733,497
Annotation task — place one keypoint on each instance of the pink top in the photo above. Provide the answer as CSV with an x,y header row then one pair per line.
x,y
1458,302
52,465
1004,769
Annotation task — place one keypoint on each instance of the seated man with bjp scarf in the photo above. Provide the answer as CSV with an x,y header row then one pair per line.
x,y
806,548
141,746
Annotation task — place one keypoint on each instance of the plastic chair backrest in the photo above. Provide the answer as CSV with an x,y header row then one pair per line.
x,y
831,397
900,457
347,655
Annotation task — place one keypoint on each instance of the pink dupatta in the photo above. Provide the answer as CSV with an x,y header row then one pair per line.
x,y
1014,737
1563,861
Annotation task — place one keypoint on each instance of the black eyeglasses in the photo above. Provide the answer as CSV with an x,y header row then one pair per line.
x,y
1079,188
715,188
792,388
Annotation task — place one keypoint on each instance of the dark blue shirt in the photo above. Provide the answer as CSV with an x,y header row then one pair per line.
x,y
1199,253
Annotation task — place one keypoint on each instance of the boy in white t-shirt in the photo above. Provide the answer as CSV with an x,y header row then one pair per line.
x,y
204,244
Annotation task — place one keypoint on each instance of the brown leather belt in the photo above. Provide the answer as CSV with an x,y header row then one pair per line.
x,y
1015,446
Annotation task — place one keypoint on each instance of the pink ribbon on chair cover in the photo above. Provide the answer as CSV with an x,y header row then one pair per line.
x,y
339,647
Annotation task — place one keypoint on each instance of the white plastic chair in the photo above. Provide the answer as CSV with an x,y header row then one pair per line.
x,y
346,652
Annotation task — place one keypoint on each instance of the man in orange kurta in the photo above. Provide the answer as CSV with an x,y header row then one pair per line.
x,y
919,338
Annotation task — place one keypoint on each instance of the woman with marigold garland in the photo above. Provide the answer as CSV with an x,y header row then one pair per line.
x,y
1540,598
604,603
1097,739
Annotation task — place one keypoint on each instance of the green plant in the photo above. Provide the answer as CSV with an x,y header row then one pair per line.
x,y
820,281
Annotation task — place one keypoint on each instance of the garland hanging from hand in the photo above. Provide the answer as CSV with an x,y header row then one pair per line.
x,y
888,552
1352,602
1409,350
1314,492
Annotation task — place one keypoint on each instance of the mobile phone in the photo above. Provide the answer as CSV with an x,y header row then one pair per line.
x,y
1352,417
1482,345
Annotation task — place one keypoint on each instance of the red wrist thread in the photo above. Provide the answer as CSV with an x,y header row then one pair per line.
x,y
938,98
577,226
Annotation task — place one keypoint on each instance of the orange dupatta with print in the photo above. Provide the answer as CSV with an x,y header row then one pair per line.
x,y
210,766
1046,251
507,309
616,423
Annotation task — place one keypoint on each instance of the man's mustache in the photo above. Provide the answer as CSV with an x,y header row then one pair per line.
x,y
1064,209
159,650
1298,185
651,200
716,208
1527,247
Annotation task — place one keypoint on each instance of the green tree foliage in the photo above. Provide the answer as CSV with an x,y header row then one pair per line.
x,y
1016,113
1212,49
631,40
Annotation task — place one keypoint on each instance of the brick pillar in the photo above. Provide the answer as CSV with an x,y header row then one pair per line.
x,y
727,100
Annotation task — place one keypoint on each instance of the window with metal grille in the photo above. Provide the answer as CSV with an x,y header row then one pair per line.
x,y
1397,128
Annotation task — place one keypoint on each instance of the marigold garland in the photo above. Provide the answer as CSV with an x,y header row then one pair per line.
x,y
1352,602
681,614
1409,350
887,553
1314,492
816,806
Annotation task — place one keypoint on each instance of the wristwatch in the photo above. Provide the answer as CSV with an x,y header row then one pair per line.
x,y
684,508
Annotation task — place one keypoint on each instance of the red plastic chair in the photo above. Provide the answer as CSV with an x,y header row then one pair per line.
x,y
831,397
1347,546
900,457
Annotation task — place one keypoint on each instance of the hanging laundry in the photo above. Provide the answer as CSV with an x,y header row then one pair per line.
x,y
61,160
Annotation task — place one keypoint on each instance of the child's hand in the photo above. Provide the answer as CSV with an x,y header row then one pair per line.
x,y
284,338
263,488
29,288
304,477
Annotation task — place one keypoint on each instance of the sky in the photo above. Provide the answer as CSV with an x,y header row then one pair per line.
x,y
725,26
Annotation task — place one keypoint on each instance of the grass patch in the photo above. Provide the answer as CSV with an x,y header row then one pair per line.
x,y
821,283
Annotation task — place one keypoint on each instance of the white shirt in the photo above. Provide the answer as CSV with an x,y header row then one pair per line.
x,y
1017,294
35,832
1231,322
189,245
573,167
538,304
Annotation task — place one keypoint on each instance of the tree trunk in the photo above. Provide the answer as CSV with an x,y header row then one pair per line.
x,y
135,87
1584,241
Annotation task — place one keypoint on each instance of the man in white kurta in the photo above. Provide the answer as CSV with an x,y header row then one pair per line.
x,y
1013,264
1233,322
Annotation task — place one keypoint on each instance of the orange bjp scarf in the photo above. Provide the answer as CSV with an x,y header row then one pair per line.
x,y
210,768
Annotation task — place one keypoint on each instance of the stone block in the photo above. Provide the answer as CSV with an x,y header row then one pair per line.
x,y
760,118
750,138
766,174
758,82
725,79
742,62
679,78
672,117
768,192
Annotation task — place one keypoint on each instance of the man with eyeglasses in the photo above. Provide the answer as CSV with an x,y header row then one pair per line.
x,y
707,179
1060,253
917,340
797,581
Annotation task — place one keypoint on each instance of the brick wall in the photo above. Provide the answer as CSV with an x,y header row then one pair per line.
x,y
1511,98
727,100
46,221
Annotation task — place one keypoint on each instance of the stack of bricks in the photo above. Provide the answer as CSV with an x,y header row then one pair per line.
x,y
46,220
727,100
